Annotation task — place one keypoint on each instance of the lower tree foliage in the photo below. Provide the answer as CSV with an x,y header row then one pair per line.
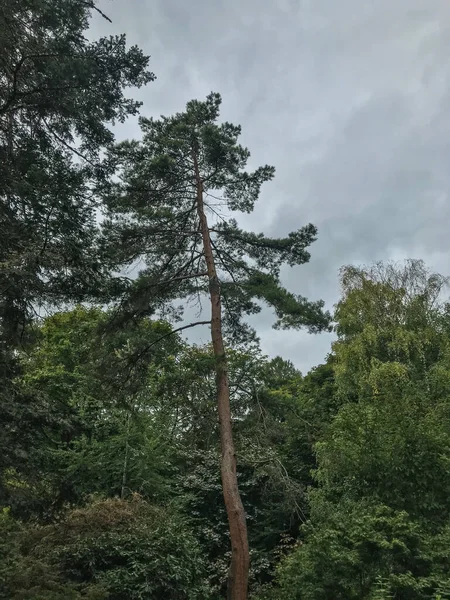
x,y
379,518
111,485
110,549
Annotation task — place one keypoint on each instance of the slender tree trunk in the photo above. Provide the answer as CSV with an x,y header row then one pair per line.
x,y
240,557
125,460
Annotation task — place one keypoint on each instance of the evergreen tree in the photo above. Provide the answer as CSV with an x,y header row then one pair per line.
x,y
172,185
59,94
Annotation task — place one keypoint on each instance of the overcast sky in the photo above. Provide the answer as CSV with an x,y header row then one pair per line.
x,y
349,99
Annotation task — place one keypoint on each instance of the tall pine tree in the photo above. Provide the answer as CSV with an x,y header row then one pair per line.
x,y
165,209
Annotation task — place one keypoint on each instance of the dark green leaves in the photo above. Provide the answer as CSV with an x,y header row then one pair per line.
x,y
107,550
58,98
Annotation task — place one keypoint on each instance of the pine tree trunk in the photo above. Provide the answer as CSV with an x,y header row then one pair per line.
x,y
240,557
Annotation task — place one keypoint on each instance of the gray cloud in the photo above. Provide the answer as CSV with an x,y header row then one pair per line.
x,y
349,100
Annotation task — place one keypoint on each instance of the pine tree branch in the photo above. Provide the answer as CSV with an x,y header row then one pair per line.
x,y
177,330
68,146
181,277
230,273
143,352
101,13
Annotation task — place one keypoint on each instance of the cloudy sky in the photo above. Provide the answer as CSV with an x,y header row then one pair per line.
x,y
349,99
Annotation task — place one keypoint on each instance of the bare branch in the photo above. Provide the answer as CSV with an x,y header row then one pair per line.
x,y
181,277
101,13
157,341
68,146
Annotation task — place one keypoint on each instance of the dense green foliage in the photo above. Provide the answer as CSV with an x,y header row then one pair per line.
x,y
59,94
111,549
379,508
343,472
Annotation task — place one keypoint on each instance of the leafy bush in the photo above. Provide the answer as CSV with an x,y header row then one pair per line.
x,y
109,550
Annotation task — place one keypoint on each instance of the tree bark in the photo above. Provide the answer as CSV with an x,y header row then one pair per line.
x,y
125,460
240,557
